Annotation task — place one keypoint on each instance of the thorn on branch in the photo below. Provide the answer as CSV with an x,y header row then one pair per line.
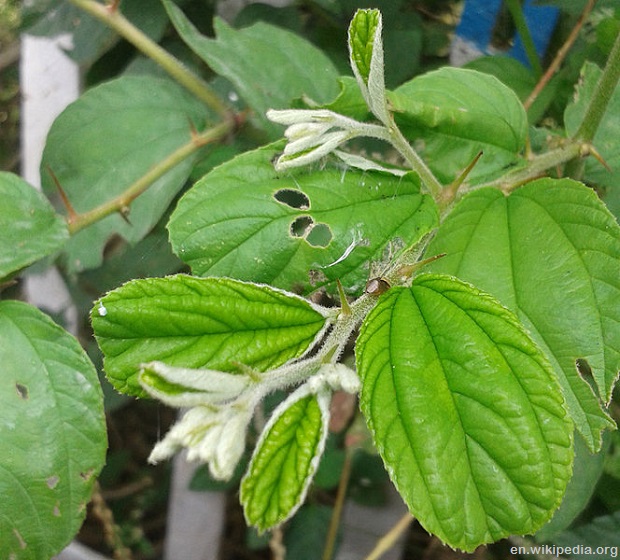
x,y
124,213
71,213
113,6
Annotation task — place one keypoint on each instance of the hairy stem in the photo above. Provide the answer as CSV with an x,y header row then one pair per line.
x,y
538,166
115,20
121,203
428,178
601,97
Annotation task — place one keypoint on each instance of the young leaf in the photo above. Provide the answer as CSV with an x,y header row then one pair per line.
x,y
29,227
551,253
457,113
245,221
366,58
267,65
465,411
285,459
187,322
53,433
109,138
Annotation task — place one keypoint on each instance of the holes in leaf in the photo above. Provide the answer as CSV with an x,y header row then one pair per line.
x,y
22,391
320,235
301,226
52,482
317,235
293,198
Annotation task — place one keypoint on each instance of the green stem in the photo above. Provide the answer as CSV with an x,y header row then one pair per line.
x,y
601,97
526,37
121,203
114,19
537,166
395,137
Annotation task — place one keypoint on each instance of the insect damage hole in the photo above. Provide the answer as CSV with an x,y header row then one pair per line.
x,y
22,391
293,198
316,235
319,236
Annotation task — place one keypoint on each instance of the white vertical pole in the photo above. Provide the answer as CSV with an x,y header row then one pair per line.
x,y
49,81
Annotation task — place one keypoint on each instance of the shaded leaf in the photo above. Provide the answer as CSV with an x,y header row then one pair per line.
x,y
53,433
268,65
551,253
29,227
109,138
465,411
188,322
606,139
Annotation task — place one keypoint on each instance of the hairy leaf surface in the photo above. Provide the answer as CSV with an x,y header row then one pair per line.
x,y
53,430
551,253
465,411
29,227
285,459
245,221
214,323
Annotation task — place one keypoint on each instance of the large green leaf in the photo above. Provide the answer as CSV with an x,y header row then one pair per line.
x,y
29,227
215,323
465,411
296,231
267,65
53,434
107,139
285,459
551,253
454,113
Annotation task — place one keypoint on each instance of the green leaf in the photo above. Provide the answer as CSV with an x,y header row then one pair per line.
x,y
29,227
520,79
214,323
285,459
366,58
309,527
298,231
267,65
600,536
53,433
551,253
587,470
456,113
109,138
465,411
606,139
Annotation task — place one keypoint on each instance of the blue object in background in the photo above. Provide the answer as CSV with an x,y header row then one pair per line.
x,y
474,32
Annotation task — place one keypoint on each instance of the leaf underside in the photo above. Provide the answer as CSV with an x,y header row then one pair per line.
x,y
284,461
